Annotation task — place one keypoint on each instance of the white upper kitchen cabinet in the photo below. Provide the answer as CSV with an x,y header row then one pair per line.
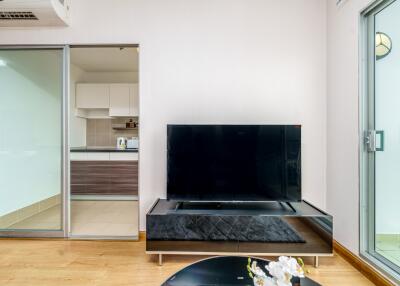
x,y
124,100
120,99
97,100
92,95
133,100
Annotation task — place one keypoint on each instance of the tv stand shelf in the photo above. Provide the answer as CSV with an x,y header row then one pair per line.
x,y
221,207
258,229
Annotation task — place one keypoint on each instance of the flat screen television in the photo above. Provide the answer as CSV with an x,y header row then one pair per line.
x,y
234,163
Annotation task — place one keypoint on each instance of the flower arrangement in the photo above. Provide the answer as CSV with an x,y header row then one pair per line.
x,y
281,271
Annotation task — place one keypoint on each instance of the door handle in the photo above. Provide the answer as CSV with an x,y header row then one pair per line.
x,y
381,134
370,140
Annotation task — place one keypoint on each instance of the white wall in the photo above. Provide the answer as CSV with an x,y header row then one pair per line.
x,y
77,125
342,124
224,61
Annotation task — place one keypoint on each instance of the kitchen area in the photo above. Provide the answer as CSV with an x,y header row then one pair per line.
x,y
104,143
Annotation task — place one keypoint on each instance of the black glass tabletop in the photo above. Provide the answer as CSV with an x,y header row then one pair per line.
x,y
222,271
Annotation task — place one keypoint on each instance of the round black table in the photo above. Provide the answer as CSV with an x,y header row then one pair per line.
x,y
222,271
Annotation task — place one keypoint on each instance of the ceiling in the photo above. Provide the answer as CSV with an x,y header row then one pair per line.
x,y
111,59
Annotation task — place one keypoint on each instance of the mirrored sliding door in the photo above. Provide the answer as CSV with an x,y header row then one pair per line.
x,y
31,141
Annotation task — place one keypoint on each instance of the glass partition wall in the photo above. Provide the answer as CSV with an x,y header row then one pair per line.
x,y
32,142
380,211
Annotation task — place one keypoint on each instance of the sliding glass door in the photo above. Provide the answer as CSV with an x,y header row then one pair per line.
x,y
32,142
387,119
381,132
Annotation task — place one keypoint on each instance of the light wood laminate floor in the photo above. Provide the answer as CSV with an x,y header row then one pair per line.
x,y
100,263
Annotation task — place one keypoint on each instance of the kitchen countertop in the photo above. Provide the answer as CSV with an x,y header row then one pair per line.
x,y
100,149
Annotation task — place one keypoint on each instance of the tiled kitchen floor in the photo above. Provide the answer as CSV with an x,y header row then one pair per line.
x,y
90,218
104,218
49,219
388,245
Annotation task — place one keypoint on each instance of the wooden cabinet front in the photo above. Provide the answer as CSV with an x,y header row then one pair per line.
x,y
104,178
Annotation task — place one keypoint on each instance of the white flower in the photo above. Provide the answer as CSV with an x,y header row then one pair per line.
x,y
291,266
264,281
281,271
295,269
276,270
257,270
283,283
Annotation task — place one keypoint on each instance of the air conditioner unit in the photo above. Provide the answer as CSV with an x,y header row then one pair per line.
x,y
28,13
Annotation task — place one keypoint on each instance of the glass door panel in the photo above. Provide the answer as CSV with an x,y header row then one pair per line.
x,y
387,126
31,102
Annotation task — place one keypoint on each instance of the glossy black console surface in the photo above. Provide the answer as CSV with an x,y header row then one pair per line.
x,y
225,270
248,228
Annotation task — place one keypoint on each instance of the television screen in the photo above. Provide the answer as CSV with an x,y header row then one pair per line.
x,y
234,162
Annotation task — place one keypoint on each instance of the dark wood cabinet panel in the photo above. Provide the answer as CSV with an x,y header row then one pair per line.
x,y
104,177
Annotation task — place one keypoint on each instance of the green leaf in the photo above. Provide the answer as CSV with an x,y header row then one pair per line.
x,y
300,261
249,268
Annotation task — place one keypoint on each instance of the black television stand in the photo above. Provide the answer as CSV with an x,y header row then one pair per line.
x,y
188,205
267,206
238,228
289,205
